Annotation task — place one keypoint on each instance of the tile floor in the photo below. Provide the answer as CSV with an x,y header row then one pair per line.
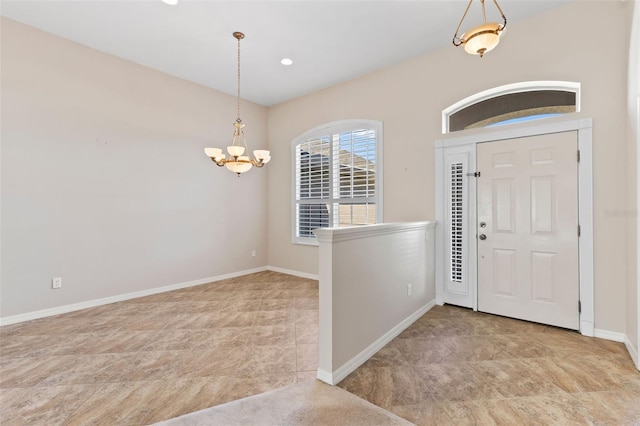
x,y
157,357
456,366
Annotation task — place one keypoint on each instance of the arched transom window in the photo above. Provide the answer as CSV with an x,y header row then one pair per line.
x,y
512,103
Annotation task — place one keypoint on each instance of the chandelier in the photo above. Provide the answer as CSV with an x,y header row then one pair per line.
x,y
483,38
238,162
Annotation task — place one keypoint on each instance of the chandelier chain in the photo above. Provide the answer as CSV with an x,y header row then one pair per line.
x,y
238,78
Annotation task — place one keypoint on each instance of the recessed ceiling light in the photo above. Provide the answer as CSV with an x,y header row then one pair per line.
x,y
171,2
286,61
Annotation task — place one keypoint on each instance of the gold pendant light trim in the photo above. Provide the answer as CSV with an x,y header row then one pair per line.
x,y
483,38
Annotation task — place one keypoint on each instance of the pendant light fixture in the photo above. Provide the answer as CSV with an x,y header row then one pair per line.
x,y
238,162
484,37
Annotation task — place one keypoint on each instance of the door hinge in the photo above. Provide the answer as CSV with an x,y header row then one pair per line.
x,y
579,231
578,156
474,174
579,307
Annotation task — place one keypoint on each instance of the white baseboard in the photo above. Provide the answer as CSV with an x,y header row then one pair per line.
x,y
13,319
633,352
347,368
294,273
609,335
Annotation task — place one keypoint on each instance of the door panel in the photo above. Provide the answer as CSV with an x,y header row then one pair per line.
x,y
527,196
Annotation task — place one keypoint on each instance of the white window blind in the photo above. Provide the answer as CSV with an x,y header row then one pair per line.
x,y
455,221
337,172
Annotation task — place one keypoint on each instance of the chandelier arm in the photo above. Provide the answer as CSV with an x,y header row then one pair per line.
x,y
504,18
244,140
457,41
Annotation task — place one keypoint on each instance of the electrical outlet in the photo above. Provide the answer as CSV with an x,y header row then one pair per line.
x,y
408,289
253,253
56,282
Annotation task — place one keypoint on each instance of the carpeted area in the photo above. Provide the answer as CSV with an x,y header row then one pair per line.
x,y
309,403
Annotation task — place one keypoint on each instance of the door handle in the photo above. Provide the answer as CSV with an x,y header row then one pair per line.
x,y
482,237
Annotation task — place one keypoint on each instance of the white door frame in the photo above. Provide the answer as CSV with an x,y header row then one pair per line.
x,y
583,126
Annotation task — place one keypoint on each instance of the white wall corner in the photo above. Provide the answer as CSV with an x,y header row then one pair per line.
x,y
633,352
292,272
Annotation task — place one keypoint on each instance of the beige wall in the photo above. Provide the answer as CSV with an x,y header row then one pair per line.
x,y
410,96
633,108
104,180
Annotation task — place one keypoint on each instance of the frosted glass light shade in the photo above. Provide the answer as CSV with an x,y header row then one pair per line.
x,y
213,152
238,167
235,151
266,159
482,39
261,154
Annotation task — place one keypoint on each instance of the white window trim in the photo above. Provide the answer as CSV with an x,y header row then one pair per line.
x,y
332,128
525,86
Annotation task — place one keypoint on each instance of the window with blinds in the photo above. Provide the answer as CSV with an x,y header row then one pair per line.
x,y
337,178
455,221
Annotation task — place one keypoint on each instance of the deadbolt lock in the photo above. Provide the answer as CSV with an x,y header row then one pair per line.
x,y
482,237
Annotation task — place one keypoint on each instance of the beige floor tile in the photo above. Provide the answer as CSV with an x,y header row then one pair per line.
x,y
187,395
28,372
306,333
253,384
173,340
307,357
88,369
277,304
284,335
265,318
425,351
231,336
550,410
263,360
42,405
428,413
457,382
306,303
125,403
306,376
241,305
387,386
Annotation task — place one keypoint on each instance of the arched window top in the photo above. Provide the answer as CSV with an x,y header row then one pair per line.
x,y
510,103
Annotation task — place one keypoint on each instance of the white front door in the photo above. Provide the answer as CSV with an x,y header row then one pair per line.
x,y
527,226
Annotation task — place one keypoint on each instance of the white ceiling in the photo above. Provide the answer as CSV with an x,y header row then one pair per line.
x,y
329,41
